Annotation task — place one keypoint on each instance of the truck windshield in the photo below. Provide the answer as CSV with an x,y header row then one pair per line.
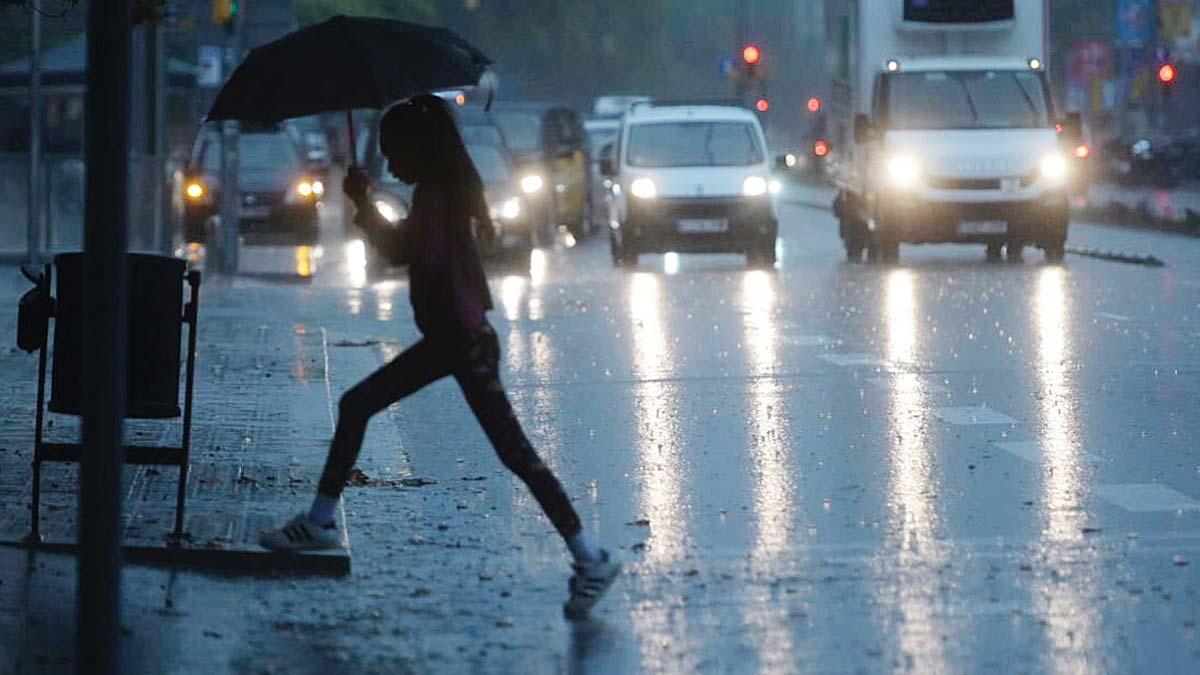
x,y
981,99
694,144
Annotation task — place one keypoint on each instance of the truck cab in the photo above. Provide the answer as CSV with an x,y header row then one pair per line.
x,y
953,134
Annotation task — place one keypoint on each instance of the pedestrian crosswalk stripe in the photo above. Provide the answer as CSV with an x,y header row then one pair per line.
x,y
1147,497
1034,451
853,359
972,415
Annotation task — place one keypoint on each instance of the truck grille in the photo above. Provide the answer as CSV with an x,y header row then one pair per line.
x,y
941,183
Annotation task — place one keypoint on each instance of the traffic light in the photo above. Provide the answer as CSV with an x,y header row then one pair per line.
x,y
813,105
762,104
1167,74
225,12
751,55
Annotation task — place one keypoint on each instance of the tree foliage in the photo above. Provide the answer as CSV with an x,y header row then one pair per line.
x,y
571,50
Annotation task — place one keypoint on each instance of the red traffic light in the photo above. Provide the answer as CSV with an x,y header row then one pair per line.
x,y
820,148
762,105
1083,151
813,105
1167,73
751,54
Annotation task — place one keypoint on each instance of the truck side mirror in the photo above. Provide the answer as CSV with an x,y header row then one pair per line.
x,y
864,131
607,168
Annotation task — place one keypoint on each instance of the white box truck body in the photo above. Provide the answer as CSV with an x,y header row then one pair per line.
x,y
945,126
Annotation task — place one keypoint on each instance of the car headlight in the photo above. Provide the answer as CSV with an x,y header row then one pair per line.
x,y
754,186
903,170
510,209
532,183
318,188
774,186
390,212
1054,167
304,189
643,188
195,191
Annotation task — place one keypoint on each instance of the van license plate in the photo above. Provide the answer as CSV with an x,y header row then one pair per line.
x,y
983,227
707,225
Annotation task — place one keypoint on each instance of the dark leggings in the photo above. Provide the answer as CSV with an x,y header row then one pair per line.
x,y
476,367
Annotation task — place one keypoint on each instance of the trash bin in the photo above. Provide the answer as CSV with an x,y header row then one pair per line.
x,y
154,311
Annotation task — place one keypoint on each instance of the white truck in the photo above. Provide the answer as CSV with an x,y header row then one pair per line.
x,y
946,128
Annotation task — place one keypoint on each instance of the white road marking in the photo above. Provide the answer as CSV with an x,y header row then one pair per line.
x,y
809,340
852,359
1146,497
1032,451
1112,317
926,384
973,415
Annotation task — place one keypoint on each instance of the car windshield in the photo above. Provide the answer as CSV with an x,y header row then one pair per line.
x,y
981,99
522,130
490,162
257,153
482,134
694,144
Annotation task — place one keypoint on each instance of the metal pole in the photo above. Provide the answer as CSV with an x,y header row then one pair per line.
x,y
106,213
33,244
230,205
157,82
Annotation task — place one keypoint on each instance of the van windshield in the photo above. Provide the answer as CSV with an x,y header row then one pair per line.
x,y
659,145
977,99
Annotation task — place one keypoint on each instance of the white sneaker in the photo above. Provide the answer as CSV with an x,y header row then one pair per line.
x,y
588,585
301,534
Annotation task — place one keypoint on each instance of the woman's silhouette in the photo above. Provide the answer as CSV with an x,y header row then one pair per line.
x,y
449,295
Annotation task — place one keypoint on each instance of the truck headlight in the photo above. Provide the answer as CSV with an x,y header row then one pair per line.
x,y
532,183
390,212
754,186
903,171
1054,167
643,188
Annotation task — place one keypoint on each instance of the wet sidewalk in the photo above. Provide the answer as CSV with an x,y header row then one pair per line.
x,y
262,391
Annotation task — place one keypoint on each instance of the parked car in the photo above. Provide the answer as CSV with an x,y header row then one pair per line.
x,y
691,178
279,190
600,132
550,148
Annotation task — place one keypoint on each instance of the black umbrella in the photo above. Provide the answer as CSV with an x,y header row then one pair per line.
x,y
345,63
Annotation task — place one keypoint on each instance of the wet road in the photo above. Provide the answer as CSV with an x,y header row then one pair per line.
x,y
941,466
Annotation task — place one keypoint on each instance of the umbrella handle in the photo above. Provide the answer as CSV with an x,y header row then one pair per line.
x,y
353,144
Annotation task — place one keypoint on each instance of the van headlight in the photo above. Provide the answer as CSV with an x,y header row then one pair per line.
x,y
903,171
1054,167
390,212
532,183
754,186
643,188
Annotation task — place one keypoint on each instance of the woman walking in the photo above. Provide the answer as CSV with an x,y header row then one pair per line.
x,y
449,294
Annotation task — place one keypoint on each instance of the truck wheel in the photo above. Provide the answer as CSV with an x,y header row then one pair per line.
x,y
993,253
1014,252
884,250
628,258
854,250
762,255
855,238
1055,251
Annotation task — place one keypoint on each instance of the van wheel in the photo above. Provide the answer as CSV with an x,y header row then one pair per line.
x,y
993,253
1055,251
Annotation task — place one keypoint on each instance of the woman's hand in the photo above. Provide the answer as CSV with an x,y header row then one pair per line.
x,y
357,187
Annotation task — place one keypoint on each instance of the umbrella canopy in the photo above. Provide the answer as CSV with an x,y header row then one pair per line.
x,y
343,63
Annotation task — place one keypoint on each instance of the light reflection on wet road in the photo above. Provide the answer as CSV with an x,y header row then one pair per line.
x,y
917,428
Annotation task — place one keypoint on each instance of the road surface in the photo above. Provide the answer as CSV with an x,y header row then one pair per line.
x,y
940,466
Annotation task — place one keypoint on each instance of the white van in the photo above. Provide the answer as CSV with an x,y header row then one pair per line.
x,y
690,178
